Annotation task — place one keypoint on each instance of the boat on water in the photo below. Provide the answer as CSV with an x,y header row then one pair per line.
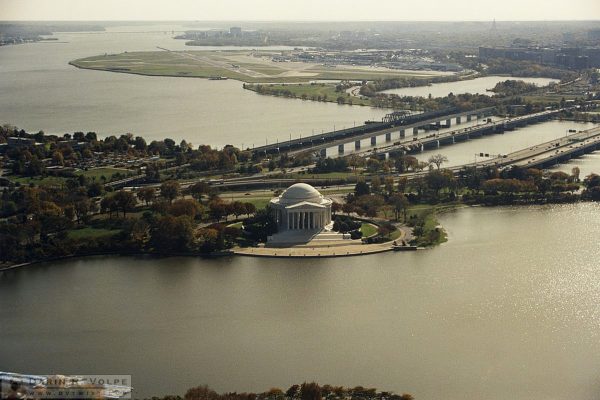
x,y
218,78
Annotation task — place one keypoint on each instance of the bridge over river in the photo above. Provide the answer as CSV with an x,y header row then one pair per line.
x,y
436,140
414,122
542,155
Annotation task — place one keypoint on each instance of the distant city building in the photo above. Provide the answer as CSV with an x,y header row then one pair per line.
x,y
301,207
567,57
235,31
594,34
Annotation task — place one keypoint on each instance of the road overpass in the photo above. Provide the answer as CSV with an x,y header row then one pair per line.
x,y
408,123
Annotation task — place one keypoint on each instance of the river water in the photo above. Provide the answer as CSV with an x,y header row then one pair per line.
x,y
40,91
509,306
477,85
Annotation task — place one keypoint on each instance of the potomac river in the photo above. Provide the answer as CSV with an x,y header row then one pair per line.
x,y
509,306
40,90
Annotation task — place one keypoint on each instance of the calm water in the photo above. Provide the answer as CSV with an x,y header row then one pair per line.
x,y
509,305
478,85
39,90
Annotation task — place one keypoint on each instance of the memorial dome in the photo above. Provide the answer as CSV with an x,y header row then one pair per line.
x,y
300,192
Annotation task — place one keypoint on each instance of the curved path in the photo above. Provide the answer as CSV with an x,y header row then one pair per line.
x,y
353,248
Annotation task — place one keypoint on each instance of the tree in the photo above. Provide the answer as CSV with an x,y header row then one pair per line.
x,y
336,207
197,190
185,207
361,188
169,190
201,393
400,203
108,204
376,184
124,200
591,181
146,194
438,180
250,208
402,182
171,233
310,391
575,172
58,159
437,160
82,207
238,208
388,182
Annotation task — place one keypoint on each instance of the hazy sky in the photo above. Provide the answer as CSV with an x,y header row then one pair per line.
x,y
396,10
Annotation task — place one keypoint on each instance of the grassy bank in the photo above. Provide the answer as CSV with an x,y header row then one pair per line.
x,y
426,227
311,91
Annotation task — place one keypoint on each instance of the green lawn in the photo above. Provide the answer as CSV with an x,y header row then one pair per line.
x,y
368,229
91,233
312,91
39,181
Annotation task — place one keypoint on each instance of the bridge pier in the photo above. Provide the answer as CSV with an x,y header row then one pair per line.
x,y
458,119
415,131
468,117
357,145
373,140
438,144
388,137
402,134
448,123
341,149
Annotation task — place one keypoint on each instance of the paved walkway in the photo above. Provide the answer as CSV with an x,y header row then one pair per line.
x,y
353,248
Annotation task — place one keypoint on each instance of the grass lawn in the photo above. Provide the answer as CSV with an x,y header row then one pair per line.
x,y
107,172
432,234
368,229
91,233
39,181
312,91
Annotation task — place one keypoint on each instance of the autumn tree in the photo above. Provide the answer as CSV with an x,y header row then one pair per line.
x,y
125,201
170,190
146,194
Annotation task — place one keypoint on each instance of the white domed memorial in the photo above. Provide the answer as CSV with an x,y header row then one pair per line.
x,y
301,208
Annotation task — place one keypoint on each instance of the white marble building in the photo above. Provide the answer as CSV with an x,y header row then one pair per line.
x,y
301,208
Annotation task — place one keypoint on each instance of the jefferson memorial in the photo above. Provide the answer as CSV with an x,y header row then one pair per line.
x,y
301,208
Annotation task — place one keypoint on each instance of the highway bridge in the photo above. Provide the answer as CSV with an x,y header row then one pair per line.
x,y
393,122
436,140
550,153
541,156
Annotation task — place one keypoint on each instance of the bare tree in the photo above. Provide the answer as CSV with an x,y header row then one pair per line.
x,y
438,160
